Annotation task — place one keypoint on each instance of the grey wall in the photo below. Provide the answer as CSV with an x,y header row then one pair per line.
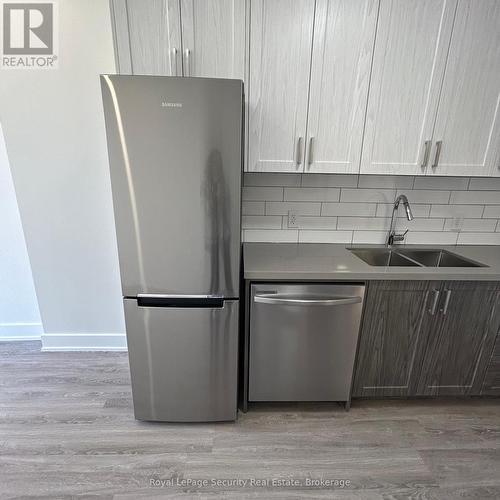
x,y
54,131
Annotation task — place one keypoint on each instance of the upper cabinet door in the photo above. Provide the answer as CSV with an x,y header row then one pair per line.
x,y
468,120
147,37
281,33
408,64
213,38
342,53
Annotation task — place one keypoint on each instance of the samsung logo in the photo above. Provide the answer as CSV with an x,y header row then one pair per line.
x,y
166,104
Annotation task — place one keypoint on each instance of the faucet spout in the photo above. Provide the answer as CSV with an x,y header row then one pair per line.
x,y
393,236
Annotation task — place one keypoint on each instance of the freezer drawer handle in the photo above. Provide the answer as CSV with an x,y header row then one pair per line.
x,y
284,300
180,301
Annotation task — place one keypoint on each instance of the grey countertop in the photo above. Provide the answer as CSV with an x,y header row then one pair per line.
x,y
328,261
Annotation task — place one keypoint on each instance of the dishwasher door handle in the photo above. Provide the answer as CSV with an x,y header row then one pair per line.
x,y
284,300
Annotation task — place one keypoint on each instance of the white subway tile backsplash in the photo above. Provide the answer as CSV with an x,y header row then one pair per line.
x,y
368,195
474,225
312,194
443,183
473,211
476,197
485,183
344,208
421,224
426,196
300,207
386,181
492,212
479,239
308,222
329,180
353,209
308,236
385,210
363,223
268,179
272,235
369,237
255,193
253,207
261,222
427,237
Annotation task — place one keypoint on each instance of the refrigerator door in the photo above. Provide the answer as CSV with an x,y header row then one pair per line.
x,y
175,152
183,360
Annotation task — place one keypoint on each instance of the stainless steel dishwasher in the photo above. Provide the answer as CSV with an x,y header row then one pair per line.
x,y
303,340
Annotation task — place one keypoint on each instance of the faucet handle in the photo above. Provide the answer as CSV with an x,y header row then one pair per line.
x,y
399,237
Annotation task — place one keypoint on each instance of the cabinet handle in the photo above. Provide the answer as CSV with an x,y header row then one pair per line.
x,y
444,310
298,159
187,53
438,154
427,153
435,300
174,52
310,152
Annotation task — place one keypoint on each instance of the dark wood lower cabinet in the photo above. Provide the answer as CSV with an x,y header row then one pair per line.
x,y
408,347
395,322
460,341
491,383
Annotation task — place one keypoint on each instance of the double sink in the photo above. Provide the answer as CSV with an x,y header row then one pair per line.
x,y
429,257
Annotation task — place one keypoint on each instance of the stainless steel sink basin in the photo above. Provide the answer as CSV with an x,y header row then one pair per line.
x,y
429,257
382,257
439,258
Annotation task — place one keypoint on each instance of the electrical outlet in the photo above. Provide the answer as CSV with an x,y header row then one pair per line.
x,y
457,223
293,218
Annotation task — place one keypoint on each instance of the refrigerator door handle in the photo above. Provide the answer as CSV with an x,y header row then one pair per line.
x,y
179,301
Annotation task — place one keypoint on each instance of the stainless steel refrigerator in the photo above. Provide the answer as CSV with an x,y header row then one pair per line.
x,y
175,154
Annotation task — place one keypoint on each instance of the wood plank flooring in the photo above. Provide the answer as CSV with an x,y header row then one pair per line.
x,y
67,430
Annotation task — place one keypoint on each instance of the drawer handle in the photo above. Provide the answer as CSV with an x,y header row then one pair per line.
x,y
283,300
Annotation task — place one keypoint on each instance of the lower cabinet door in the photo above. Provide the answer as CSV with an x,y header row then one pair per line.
x,y
491,384
460,344
396,318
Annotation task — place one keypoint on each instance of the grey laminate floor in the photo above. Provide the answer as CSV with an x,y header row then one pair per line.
x,y
67,429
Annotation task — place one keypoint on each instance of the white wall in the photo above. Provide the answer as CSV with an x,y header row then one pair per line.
x,y
54,131
19,316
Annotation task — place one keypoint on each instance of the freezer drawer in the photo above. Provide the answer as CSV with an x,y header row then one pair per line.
x,y
303,340
183,361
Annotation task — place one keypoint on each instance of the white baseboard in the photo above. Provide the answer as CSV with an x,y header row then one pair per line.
x,y
84,342
20,331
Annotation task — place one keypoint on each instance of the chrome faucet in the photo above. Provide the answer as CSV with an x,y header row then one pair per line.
x,y
393,236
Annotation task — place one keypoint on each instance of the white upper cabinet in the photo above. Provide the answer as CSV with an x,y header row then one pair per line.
x,y
468,119
213,38
281,33
344,33
147,37
408,65
180,37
